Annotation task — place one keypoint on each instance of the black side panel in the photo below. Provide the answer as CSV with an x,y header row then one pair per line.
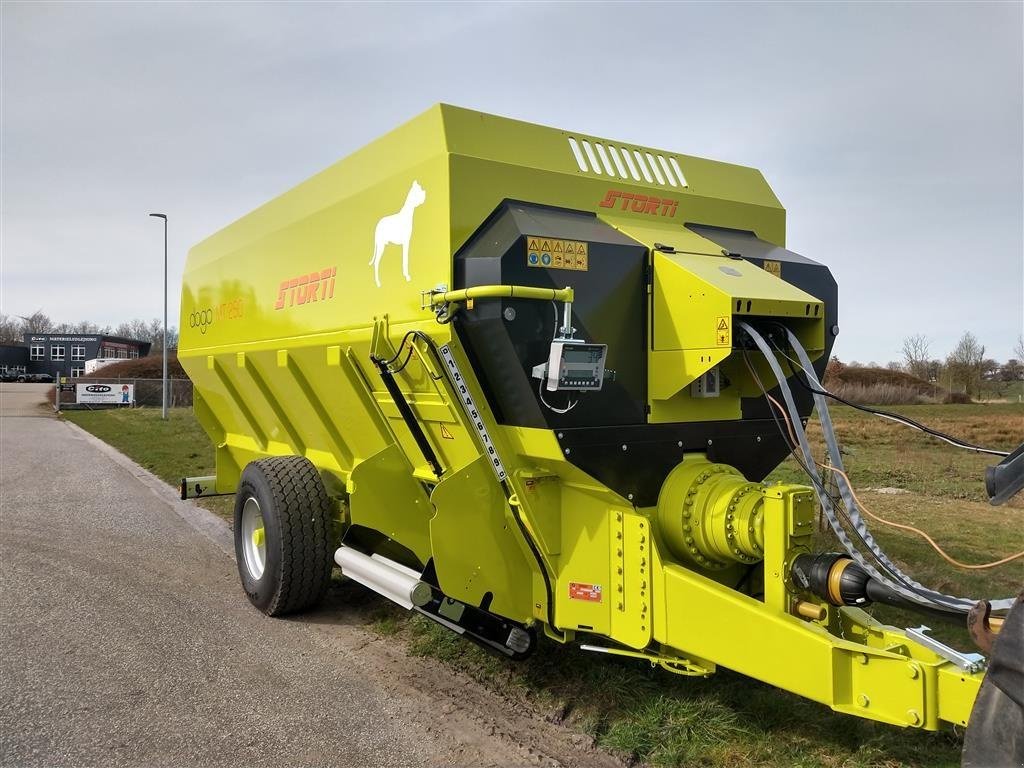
x,y
606,435
634,461
507,338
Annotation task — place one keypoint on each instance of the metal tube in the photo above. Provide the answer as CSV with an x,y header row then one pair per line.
x,y
392,580
502,292
567,319
812,611
163,382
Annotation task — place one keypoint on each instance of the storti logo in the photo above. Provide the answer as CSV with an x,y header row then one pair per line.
x,y
306,288
652,206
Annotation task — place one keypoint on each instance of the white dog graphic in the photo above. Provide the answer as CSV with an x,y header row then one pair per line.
x,y
396,229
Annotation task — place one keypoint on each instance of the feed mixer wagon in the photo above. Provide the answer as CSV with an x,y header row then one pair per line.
x,y
527,381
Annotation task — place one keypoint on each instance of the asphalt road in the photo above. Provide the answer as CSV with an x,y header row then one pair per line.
x,y
126,640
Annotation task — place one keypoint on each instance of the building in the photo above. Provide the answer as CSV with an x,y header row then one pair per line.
x,y
61,354
13,359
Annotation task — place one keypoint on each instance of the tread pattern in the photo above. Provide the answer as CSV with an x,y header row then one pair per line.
x,y
304,512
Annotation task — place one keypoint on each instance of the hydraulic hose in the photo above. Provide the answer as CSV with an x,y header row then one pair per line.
x,y
962,605
811,468
903,586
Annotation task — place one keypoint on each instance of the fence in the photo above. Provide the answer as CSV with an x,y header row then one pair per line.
x,y
147,391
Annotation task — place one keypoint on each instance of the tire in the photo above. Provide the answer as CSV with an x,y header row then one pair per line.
x,y
290,572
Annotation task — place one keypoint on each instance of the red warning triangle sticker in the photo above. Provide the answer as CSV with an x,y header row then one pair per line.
x,y
446,434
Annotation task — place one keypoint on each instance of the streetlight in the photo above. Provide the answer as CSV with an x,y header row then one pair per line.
x,y
164,386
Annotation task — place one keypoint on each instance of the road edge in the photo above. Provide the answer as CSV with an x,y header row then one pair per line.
x,y
202,520
522,719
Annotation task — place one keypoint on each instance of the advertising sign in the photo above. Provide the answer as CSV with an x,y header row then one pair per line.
x,y
105,394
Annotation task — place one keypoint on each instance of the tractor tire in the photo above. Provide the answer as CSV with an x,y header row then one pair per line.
x,y
995,732
282,534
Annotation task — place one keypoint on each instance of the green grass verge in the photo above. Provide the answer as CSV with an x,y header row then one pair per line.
x,y
653,716
170,449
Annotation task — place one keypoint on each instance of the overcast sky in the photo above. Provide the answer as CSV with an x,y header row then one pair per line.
x,y
891,133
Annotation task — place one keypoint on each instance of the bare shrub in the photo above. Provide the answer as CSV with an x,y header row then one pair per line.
x,y
879,394
957,398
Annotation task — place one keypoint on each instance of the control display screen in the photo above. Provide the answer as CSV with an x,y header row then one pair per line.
x,y
590,356
576,365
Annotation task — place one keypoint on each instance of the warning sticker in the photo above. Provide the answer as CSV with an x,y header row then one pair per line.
x,y
549,253
589,592
723,336
446,434
773,267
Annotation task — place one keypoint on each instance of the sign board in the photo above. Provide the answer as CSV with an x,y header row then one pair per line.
x,y
105,394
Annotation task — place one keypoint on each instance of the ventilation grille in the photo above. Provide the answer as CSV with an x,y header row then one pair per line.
x,y
625,163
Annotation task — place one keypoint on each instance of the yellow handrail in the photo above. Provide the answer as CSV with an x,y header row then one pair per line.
x,y
502,292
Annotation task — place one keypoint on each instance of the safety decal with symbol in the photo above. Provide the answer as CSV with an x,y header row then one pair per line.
x,y
723,336
550,253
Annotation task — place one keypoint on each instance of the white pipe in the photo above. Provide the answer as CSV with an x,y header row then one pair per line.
x,y
392,580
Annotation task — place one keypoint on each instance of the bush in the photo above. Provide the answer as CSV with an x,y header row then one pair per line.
x,y
957,398
879,394
884,386
141,368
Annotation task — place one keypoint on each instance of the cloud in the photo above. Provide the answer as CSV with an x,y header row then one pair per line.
x,y
891,132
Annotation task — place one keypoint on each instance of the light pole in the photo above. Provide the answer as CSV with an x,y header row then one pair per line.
x,y
163,388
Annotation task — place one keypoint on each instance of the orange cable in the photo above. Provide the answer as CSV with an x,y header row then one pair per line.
x,y
951,560
918,531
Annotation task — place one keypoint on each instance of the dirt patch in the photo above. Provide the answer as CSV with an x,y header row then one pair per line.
x,y
525,731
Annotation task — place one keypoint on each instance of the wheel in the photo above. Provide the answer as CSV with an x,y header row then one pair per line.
x,y
995,734
282,534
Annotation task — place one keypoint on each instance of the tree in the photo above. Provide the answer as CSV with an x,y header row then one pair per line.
x,y
989,369
964,363
1012,370
152,331
834,370
916,355
81,327
158,340
10,329
1018,348
894,365
37,322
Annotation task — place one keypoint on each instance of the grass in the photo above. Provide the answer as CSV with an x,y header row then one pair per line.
x,y
1010,391
170,449
652,716
649,715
